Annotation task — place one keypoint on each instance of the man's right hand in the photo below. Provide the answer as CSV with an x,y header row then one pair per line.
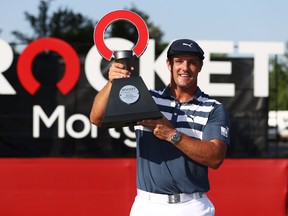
x,y
117,71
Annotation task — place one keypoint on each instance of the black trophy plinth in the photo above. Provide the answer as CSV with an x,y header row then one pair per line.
x,y
129,102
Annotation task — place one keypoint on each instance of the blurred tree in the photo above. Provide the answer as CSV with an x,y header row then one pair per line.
x,y
72,27
278,79
77,30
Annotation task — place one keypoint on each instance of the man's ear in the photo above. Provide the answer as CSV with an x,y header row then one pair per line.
x,y
200,67
168,64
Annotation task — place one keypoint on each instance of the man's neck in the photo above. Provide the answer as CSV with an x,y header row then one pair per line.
x,y
183,95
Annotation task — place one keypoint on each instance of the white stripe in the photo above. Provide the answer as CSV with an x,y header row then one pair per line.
x,y
167,115
191,132
205,108
138,127
200,120
142,128
195,107
164,102
189,106
205,99
191,118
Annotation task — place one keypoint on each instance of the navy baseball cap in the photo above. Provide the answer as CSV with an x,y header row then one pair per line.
x,y
185,46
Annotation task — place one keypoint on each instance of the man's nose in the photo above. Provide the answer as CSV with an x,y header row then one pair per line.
x,y
185,65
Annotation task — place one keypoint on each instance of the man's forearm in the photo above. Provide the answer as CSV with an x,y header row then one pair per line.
x,y
99,105
210,153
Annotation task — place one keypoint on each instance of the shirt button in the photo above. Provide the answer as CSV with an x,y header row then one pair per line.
x,y
175,114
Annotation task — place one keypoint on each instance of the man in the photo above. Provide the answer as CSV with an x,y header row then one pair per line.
x,y
174,153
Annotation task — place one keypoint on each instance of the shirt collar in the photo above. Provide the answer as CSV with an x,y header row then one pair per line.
x,y
167,93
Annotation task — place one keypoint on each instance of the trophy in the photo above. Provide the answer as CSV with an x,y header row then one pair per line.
x,y
129,100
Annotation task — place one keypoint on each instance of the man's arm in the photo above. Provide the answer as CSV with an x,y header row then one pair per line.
x,y
210,153
116,71
99,105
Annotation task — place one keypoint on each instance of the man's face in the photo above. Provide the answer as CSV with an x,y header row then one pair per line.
x,y
184,70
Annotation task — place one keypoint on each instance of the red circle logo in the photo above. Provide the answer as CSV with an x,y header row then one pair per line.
x,y
72,64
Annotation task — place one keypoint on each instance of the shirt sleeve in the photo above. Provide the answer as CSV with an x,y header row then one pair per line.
x,y
218,125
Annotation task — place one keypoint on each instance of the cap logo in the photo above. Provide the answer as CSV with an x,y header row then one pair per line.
x,y
190,45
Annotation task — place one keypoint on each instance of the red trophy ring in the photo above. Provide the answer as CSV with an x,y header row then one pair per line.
x,y
130,16
129,100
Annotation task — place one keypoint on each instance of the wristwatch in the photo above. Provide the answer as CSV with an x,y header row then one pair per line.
x,y
175,137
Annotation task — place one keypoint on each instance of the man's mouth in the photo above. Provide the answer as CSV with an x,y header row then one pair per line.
x,y
184,75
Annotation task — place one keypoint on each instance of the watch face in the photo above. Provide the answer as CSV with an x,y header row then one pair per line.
x,y
175,137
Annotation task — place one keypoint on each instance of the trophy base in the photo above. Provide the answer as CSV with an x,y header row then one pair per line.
x,y
129,101
128,119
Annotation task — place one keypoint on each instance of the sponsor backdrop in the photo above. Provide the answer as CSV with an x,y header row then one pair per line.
x,y
48,116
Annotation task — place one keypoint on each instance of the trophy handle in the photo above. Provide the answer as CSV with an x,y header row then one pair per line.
x,y
125,57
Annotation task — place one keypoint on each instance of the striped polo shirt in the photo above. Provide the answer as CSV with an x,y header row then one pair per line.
x,y
163,168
